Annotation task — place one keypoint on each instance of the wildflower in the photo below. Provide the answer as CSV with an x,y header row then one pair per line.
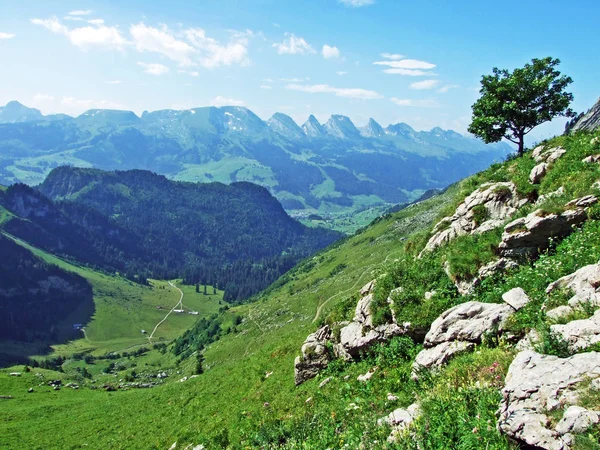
x,y
266,404
475,430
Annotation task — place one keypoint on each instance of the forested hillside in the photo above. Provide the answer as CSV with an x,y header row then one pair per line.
x,y
237,237
37,298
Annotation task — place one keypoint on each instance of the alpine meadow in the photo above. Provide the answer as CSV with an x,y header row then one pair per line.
x,y
323,224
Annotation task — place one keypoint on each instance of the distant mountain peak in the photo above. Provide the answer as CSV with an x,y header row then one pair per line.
x,y
14,112
285,125
312,128
372,129
341,127
400,129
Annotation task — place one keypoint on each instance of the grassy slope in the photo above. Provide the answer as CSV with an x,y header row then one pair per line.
x,y
234,387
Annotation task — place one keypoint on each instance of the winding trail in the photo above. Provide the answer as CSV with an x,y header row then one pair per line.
x,y
179,303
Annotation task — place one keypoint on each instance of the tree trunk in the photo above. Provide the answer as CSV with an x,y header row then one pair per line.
x,y
521,143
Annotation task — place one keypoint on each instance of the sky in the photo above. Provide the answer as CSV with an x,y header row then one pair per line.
x,y
418,62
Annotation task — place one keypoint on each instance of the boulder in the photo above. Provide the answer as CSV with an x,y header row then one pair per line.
x,y
591,159
577,420
432,358
538,172
583,283
540,154
315,355
557,193
516,298
589,121
582,202
354,339
362,313
580,334
500,201
527,236
468,322
538,384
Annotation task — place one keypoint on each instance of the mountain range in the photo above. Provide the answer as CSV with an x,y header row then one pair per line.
x,y
331,170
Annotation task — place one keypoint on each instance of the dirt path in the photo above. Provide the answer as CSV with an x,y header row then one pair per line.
x,y
179,303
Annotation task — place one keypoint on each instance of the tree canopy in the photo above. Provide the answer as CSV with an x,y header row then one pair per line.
x,y
513,104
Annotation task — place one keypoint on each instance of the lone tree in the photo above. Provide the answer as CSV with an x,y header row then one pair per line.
x,y
513,104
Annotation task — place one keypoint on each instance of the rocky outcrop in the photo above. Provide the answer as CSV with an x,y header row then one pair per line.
x,y
315,355
354,338
485,209
585,286
460,328
466,287
538,172
538,384
589,121
541,154
580,334
527,236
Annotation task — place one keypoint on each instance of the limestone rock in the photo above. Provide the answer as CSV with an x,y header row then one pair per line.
x,y
589,121
536,384
526,236
354,339
432,358
362,313
516,298
580,334
538,172
367,376
583,202
577,420
467,322
315,355
584,283
540,154
591,159
500,201
498,266
368,288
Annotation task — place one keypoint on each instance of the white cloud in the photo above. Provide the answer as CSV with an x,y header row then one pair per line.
x,y
446,88
363,94
341,72
74,18
6,35
294,45
162,41
408,72
191,73
114,82
81,12
87,36
330,52
357,3
406,64
266,86
425,84
153,69
416,103
224,101
214,54
96,21
392,56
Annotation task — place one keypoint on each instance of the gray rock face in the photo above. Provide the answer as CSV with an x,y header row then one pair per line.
x,y
591,159
432,358
580,334
516,298
538,172
468,322
315,355
536,384
589,121
585,286
500,201
527,236
577,419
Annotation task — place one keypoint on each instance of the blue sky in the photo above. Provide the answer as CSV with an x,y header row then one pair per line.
x,y
393,60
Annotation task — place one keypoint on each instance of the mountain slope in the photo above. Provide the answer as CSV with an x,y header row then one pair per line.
x,y
250,367
228,144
